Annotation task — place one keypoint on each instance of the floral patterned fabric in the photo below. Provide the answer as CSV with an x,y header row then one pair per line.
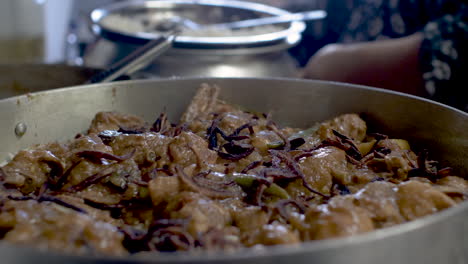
x,y
444,23
444,57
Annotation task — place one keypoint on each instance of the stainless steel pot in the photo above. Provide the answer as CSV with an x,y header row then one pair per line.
x,y
254,53
440,238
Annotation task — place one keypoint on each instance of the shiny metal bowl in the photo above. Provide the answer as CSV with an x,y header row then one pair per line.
x,y
201,12
439,238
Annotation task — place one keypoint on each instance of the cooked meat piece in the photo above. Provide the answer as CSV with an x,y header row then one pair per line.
x,y
84,167
421,179
230,121
455,182
399,161
149,148
89,142
226,239
248,220
203,103
350,125
416,199
203,213
242,163
338,218
114,121
357,177
95,213
188,148
325,164
205,107
100,194
163,188
31,168
297,191
265,140
273,234
379,199
253,224
138,215
455,187
53,227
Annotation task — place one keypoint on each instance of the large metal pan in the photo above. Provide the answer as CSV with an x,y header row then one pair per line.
x,y
440,238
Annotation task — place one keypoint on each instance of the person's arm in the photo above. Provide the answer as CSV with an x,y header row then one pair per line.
x,y
391,64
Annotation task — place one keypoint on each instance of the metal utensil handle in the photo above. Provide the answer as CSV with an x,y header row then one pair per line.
x,y
308,15
136,60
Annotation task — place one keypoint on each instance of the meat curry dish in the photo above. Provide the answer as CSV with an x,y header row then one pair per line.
x,y
223,179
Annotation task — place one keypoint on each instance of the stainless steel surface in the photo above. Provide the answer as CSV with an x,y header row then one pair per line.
x,y
248,62
176,22
201,12
302,16
440,238
254,55
136,60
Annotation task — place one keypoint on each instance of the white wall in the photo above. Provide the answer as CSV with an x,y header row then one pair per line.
x,y
57,18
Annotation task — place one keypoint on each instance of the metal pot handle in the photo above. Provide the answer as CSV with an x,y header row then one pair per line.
x,y
136,60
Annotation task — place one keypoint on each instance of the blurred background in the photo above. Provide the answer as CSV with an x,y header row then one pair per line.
x,y
58,31
420,41
47,44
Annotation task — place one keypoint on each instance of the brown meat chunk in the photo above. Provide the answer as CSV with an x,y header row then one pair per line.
x,y
53,227
86,167
264,140
226,239
203,213
378,198
320,168
455,187
249,220
454,181
205,106
100,194
202,104
399,161
242,163
149,147
339,218
416,199
421,179
31,168
355,178
97,214
230,121
350,125
273,234
188,148
89,142
163,188
115,184
114,121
